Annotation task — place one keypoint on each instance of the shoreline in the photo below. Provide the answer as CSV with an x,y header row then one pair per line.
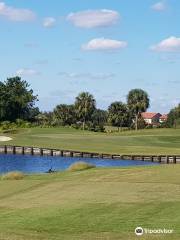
x,y
26,150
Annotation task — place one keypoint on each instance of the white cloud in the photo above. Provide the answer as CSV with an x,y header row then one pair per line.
x,y
49,22
94,18
27,72
159,6
87,76
16,14
102,44
171,44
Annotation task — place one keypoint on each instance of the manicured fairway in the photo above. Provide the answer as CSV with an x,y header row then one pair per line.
x,y
106,204
154,141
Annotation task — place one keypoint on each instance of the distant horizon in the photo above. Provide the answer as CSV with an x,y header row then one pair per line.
x,y
106,48
105,108
102,108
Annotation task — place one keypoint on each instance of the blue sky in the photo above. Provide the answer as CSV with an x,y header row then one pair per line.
x,y
105,47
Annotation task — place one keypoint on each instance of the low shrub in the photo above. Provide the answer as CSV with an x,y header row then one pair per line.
x,y
22,124
13,176
80,166
10,131
149,126
97,128
6,125
76,126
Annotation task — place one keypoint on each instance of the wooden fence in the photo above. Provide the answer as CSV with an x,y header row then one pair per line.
x,y
8,149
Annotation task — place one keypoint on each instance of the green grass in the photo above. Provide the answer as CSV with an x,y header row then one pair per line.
x,y
152,141
106,204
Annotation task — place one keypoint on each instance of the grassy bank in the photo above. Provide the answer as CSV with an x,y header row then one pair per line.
x,y
152,141
93,204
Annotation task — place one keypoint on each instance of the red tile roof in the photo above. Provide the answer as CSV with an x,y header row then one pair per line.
x,y
149,115
164,117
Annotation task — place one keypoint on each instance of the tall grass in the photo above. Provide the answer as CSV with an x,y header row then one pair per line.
x,y
80,166
13,176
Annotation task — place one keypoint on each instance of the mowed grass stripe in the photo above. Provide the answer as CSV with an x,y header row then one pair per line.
x,y
96,203
149,141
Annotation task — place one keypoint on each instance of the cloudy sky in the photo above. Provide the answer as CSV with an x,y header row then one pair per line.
x,y
105,47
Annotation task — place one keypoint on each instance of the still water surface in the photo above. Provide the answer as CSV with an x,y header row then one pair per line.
x,y
41,164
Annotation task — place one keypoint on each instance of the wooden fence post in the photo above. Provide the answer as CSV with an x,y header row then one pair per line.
x,y
22,151
159,159
51,152
14,150
41,151
32,151
5,149
174,160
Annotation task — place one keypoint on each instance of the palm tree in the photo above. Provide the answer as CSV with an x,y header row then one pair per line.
x,y
85,105
99,117
65,114
118,114
41,119
138,102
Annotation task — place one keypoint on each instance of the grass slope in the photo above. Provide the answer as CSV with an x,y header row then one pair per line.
x,y
154,141
106,204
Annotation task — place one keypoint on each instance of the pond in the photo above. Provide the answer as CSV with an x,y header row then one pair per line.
x,y
41,164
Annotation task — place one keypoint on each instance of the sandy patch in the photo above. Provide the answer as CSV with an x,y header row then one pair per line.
x,y
5,139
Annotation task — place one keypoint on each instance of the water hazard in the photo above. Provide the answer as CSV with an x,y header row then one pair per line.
x,y
41,164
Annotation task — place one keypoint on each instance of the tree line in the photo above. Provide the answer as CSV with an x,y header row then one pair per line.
x,y
17,106
84,114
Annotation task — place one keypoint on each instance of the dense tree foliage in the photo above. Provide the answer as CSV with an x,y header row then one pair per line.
x,y
174,117
65,114
118,114
17,106
16,100
85,106
99,117
138,102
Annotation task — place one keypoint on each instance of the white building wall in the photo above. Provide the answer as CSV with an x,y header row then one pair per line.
x,y
148,121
